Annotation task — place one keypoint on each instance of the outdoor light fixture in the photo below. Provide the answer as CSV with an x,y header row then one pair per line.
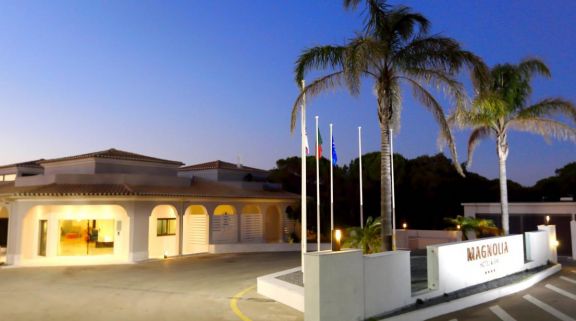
x,y
404,225
547,219
556,243
458,227
336,238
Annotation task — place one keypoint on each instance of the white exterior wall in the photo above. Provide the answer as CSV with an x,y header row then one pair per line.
x,y
334,286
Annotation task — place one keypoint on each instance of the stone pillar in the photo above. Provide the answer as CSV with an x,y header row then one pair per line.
x,y
334,286
552,241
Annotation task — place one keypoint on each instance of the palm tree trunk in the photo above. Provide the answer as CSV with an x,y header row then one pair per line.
x,y
385,187
502,156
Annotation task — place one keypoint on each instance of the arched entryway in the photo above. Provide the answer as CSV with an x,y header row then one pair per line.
x,y
251,224
272,225
75,233
163,232
225,225
3,227
195,229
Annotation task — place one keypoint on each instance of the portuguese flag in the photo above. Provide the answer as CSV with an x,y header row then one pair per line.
x,y
319,146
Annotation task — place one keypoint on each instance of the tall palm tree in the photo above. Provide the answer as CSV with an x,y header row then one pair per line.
x,y
502,103
394,48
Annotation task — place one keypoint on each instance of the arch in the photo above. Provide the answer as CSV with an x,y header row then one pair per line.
x,y
272,225
251,224
225,210
66,233
225,224
163,232
195,230
3,228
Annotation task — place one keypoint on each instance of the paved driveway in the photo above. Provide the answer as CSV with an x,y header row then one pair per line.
x,y
193,288
552,299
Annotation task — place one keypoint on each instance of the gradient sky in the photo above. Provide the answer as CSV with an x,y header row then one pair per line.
x,y
197,81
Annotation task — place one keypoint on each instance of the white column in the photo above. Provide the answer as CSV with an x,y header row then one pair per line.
x,y
573,236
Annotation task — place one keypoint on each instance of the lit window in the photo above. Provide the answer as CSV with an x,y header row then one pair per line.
x,y
1,178
10,177
166,226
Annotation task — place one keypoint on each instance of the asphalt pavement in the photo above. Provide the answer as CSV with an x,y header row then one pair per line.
x,y
199,287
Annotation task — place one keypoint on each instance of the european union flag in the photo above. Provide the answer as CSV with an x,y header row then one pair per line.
x,y
334,155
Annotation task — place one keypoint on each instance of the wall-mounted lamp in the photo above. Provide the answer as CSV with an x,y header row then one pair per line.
x,y
555,243
547,219
336,239
458,227
404,225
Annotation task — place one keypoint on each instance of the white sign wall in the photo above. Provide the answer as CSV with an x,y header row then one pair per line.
x,y
455,266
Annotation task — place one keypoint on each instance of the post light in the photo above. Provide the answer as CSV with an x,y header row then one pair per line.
x,y
547,219
336,238
404,225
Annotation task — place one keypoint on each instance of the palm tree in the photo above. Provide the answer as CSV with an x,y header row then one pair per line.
x,y
369,238
502,103
393,49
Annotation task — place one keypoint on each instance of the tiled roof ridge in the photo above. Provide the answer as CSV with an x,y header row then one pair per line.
x,y
219,164
33,163
113,153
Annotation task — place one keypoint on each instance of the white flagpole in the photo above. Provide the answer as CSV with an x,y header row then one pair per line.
x,y
361,195
303,234
331,183
317,188
393,198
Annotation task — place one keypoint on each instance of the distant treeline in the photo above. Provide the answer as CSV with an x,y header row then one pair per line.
x,y
427,189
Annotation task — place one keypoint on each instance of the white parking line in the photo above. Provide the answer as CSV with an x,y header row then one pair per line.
x,y
560,291
503,315
547,308
568,279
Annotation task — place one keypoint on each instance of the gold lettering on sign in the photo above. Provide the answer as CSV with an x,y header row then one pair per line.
x,y
485,251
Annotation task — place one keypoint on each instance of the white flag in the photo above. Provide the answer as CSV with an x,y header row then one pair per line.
x,y
306,143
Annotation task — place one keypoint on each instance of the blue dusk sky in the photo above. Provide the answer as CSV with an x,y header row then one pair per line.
x,y
197,81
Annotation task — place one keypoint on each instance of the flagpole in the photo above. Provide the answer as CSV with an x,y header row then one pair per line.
x,y
317,187
393,198
331,182
361,195
304,229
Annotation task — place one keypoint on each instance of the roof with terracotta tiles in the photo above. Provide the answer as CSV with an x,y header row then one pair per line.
x,y
198,188
218,164
34,163
114,154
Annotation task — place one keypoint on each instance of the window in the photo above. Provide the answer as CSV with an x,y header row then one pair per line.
x,y
166,226
9,177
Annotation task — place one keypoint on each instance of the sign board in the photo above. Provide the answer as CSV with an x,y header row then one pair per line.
x,y
455,266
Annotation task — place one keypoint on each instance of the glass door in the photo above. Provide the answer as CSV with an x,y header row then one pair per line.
x,y
43,232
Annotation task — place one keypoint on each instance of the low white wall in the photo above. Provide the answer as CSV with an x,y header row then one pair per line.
x,y
382,273
263,247
573,237
552,241
420,239
537,249
281,291
334,286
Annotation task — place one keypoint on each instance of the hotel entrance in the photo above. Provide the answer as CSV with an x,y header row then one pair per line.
x,y
86,237
70,234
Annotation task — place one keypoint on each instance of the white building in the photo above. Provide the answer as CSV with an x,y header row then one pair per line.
x,y
116,206
524,217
